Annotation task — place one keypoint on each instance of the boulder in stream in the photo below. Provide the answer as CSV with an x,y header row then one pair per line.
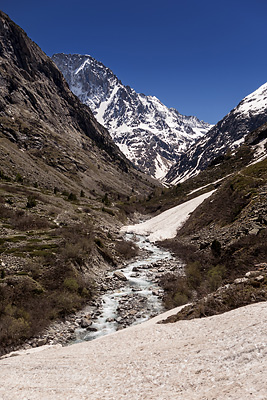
x,y
120,275
85,322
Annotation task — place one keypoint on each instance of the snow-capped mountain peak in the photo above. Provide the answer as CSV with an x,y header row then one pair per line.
x,y
150,134
254,102
227,134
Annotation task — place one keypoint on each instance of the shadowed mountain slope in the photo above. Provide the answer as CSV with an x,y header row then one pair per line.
x,y
54,132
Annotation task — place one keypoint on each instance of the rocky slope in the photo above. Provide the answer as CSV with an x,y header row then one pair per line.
x,y
60,178
225,236
48,136
151,135
227,134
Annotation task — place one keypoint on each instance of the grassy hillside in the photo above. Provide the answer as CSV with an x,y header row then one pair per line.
x,y
54,247
224,237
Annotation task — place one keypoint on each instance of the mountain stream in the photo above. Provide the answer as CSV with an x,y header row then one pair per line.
x,y
138,298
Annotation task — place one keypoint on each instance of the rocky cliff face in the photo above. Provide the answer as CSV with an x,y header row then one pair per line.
x,y
227,134
151,135
51,131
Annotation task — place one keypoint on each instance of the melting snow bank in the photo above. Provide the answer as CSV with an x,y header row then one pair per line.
x,y
165,225
223,357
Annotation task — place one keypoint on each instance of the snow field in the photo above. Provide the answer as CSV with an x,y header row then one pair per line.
x,y
165,225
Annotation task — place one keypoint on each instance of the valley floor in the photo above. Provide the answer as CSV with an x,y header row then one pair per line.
x,y
220,357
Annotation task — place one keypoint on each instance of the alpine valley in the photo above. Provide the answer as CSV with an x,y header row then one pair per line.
x,y
90,244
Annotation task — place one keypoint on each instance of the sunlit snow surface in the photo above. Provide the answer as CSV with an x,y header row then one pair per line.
x,y
165,225
255,102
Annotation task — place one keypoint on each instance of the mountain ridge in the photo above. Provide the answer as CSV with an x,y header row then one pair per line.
x,y
148,133
227,134
48,123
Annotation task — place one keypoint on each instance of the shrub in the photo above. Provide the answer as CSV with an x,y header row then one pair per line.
x,y
193,274
24,222
180,299
106,200
31,202
216,248
127,249
66,302
215,276
4,177
13,329
71,284
19,178
176,290
72,197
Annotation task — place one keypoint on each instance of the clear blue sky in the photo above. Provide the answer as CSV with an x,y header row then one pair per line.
x,y
199,56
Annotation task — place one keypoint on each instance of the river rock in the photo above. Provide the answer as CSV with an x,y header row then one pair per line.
x,y
91,329
260,278
132,312
241,280
41,342
85,322
120,275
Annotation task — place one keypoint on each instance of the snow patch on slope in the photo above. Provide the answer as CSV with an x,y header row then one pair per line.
x,y
165,225
255,102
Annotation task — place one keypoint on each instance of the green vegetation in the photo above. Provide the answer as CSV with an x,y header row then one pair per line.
x,y
31,202
126,249
19,178
206,271
106,200
46,271
252,290
233,196
72,197
160,199
4,177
